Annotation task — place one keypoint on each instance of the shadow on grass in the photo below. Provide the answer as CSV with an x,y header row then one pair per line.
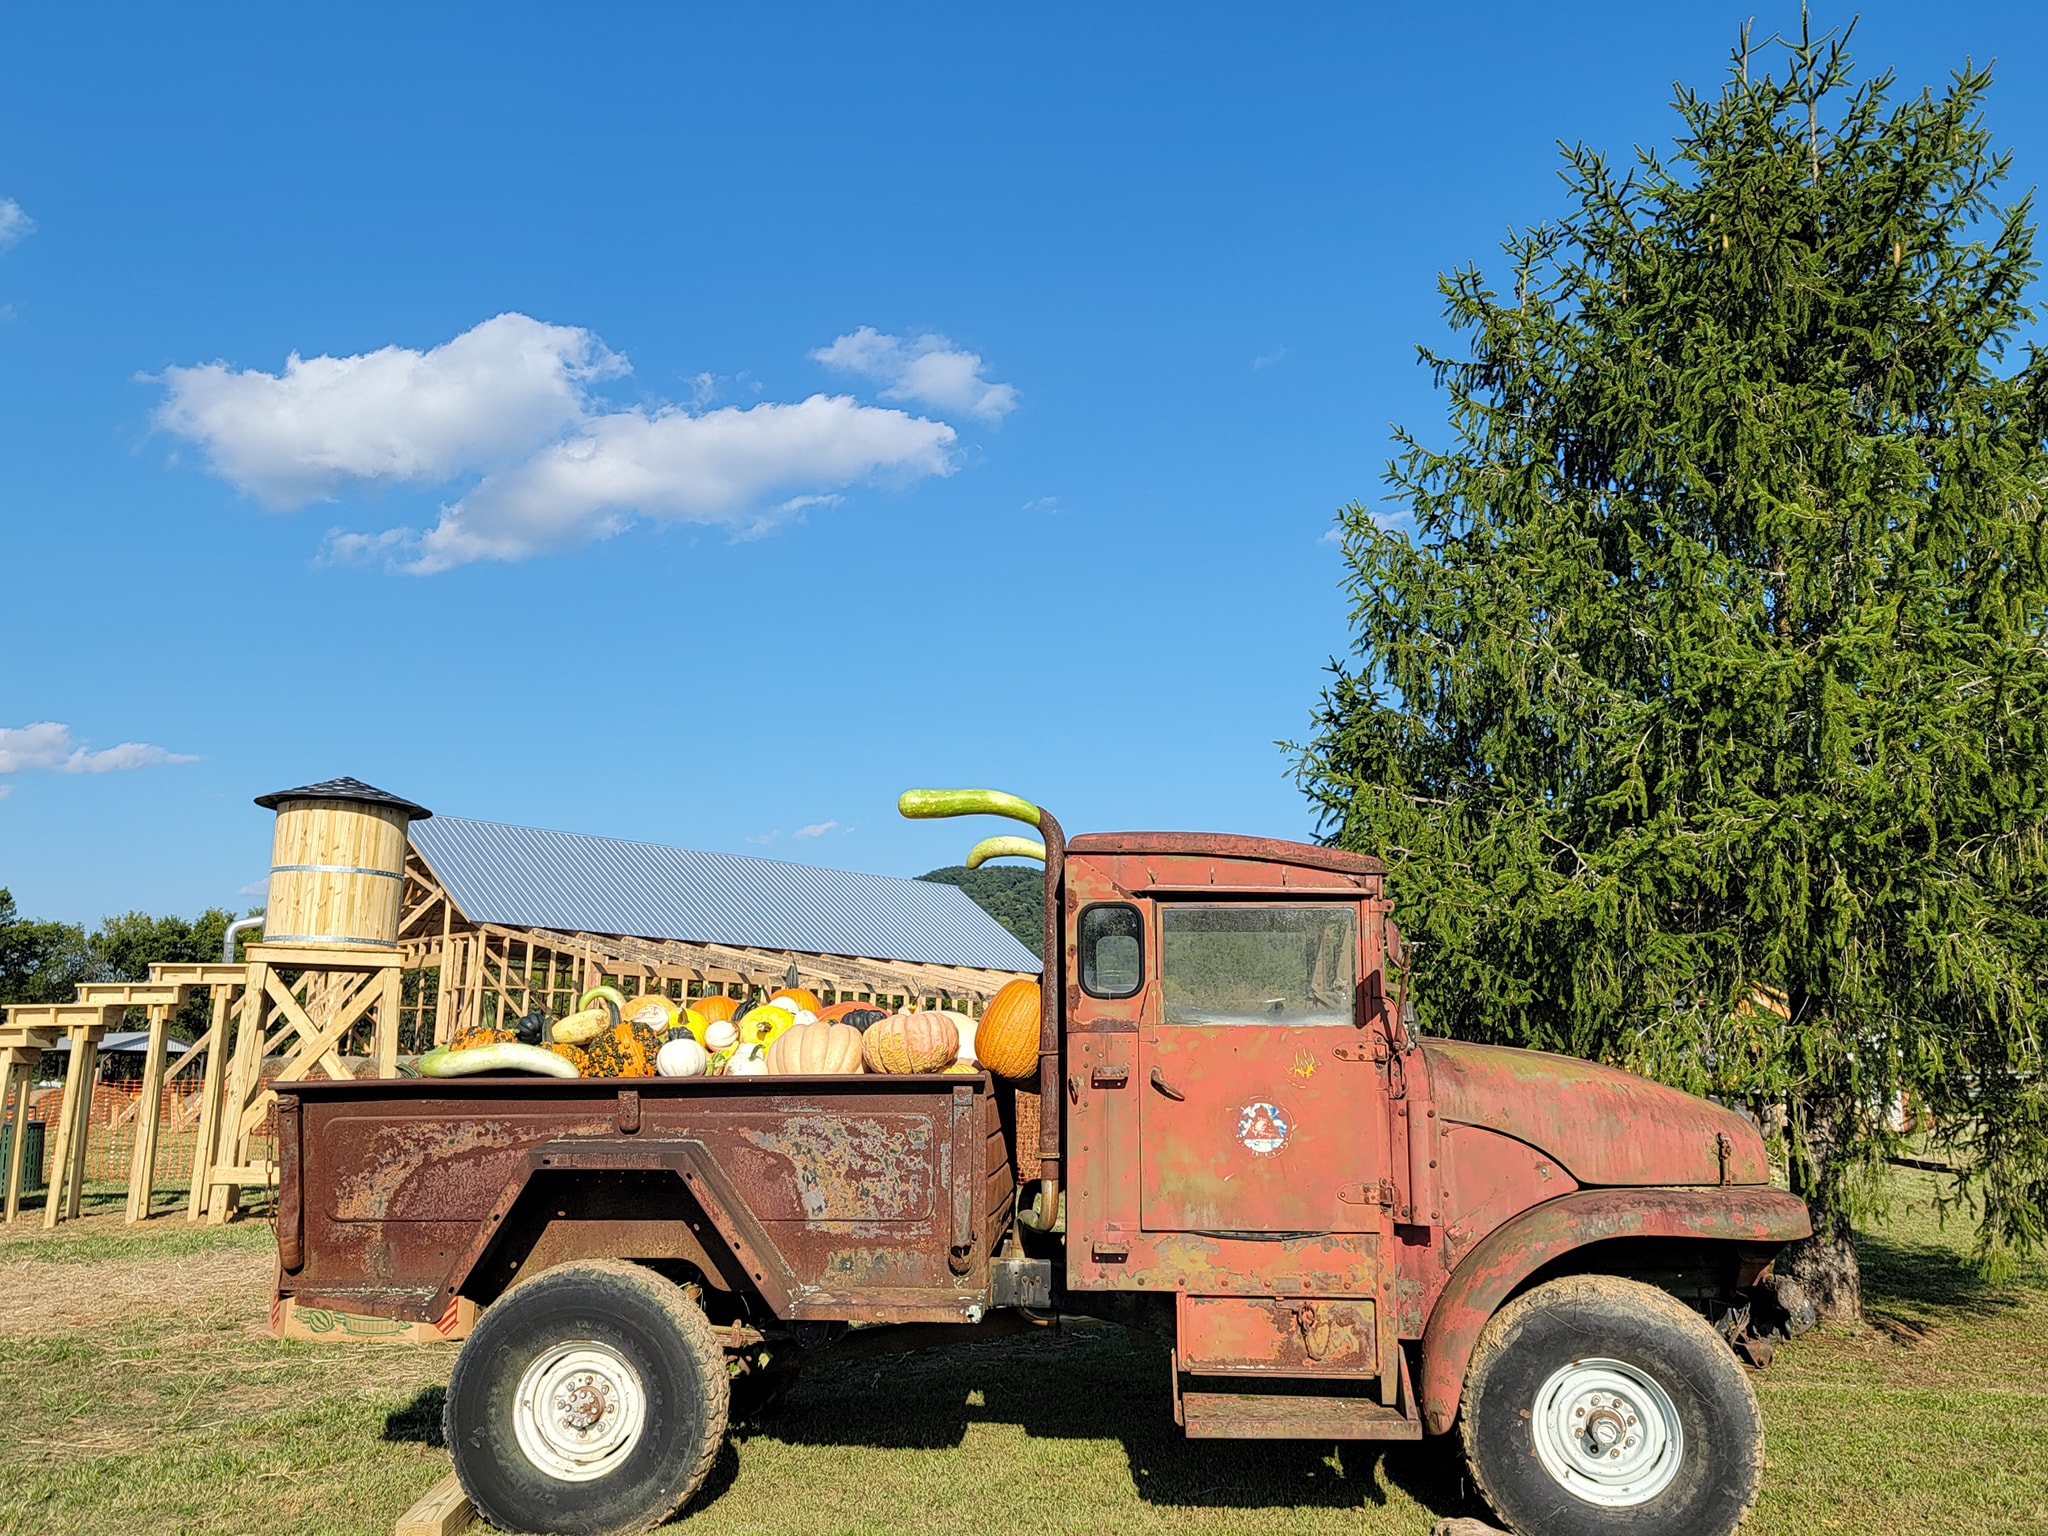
x,y
1102,1385
419,1421
1932,1275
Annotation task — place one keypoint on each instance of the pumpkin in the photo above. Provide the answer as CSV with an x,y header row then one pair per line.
x,y
624,1050
589,999
817,1047
805,999
681,1056
763,1024
651,1009
747,1061
1006,1039
575,1055
470,1039
964,1023
692,1021
532,1028
911,1042
713,1008
720,1036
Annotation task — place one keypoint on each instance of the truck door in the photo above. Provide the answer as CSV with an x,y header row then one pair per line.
x,y
1259,1102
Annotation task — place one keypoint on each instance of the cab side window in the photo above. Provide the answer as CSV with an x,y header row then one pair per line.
x,y
1258,962
1112,950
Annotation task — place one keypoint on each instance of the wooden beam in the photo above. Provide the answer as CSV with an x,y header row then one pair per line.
x,y
444,1510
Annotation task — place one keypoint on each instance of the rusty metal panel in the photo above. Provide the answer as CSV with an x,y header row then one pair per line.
x,y
841,1198
1256,1129
1277,1336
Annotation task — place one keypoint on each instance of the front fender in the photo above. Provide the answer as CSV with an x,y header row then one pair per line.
x,y
1513,1252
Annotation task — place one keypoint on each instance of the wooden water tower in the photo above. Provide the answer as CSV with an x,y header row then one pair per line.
x,y
337,865
329,960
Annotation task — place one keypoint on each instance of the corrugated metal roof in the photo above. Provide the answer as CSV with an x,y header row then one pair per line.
x,y
523,877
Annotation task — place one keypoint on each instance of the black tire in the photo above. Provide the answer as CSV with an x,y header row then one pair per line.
x,y
617,1315
1554,1355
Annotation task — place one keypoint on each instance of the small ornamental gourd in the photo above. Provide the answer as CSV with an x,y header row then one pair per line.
x,y
713,1008
817,1047
1006,1038
651,1009
586,1025
625,1050
911,1042
575,1055
747,1061
720,1036
859,1015
470,1039
681,1056
761,1025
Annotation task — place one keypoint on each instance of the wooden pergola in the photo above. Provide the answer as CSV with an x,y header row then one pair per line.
x,y
473,974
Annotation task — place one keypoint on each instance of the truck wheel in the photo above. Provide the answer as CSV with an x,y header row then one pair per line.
x,y
589,1400
1596,1406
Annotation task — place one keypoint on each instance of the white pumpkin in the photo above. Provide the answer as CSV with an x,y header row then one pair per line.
x,y
748,1061
681,1057
966,1027
721,1035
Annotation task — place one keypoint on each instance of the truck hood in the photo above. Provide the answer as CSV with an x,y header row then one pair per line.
x,y
1603,1125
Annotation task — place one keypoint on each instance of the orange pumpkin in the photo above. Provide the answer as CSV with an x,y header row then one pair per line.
x,y
817,1047
840,1010
1006,1039
712,1009
910,1042
803,997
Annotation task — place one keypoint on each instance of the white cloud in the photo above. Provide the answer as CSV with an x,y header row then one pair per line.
x,y
1268,359
929,370
49,747
765,838
817,829
479,402
726,466
15,224
505,417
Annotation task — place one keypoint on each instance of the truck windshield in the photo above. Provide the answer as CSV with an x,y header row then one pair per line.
x,y
1258,963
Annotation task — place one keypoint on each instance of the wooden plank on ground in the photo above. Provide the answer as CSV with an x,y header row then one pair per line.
x,y
442,1512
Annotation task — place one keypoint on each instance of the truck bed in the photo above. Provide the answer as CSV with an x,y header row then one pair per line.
x,y
863,1198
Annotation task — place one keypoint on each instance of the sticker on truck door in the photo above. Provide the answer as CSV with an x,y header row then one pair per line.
x,y
1263,1128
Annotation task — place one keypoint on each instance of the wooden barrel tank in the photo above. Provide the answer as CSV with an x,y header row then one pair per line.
x,y
337,865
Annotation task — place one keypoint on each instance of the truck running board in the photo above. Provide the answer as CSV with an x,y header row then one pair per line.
x,y
1259,1416
1209,1414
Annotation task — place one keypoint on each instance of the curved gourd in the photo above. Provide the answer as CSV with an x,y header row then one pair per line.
x,y
1004,848
502,1056
925,804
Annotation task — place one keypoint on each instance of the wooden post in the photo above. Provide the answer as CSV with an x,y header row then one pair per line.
x,y
386,1036
15,1086
223,1199
68,1127
142,1165
207,1152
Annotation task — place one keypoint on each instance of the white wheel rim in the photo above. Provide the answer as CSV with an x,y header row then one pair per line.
x,y
1607,1433
579,1410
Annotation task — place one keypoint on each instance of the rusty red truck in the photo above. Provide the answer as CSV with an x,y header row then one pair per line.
x,y
1238,1141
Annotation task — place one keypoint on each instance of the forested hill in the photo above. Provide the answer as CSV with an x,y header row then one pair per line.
x,y
1010,893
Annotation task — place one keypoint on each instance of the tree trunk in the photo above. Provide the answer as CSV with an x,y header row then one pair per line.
x,y
1821,1271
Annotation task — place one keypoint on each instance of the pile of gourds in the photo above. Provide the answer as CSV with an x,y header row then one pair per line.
x,y
792,1034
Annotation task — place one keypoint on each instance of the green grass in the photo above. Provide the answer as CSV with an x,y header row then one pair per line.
x,y
172,1419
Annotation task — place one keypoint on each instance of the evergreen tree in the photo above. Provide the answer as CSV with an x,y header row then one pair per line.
x,y
1702,711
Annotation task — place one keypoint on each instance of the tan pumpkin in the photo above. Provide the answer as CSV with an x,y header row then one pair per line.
x,y
1006,1039
911,1042
815,1048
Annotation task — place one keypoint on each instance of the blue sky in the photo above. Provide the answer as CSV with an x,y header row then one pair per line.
x,y
708,422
